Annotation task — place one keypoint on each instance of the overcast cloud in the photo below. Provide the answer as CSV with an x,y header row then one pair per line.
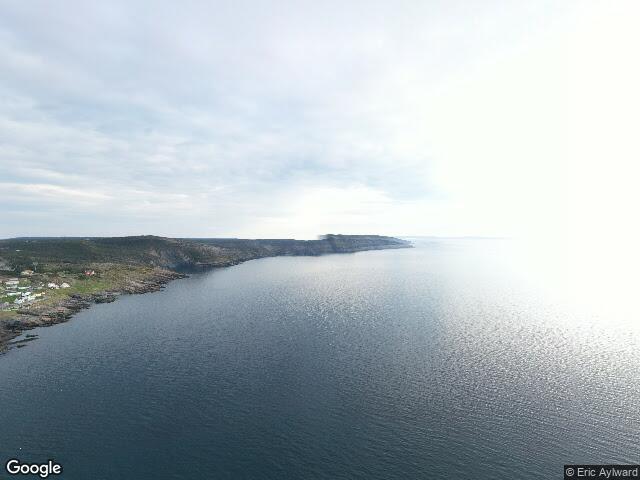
x,y
281,119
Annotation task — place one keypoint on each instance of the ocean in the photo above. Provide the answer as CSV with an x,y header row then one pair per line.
x,y
451,360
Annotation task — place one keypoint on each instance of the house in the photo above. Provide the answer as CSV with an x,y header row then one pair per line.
x,y
89,273
19,301
13,283
65,285
53,285
26,273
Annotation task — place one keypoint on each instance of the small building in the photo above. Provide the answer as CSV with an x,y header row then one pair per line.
x,y
26,273
89,273
65,285
53,285
11,283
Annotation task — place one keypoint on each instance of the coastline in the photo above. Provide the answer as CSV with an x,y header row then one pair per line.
x,y
62,310
74,274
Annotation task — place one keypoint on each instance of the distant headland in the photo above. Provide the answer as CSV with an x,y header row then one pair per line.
x,y
44,281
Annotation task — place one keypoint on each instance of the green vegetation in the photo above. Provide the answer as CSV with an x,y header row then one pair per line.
x,y
51,255
108,277
73,255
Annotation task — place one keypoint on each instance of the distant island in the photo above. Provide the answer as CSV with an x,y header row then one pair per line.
x,y
44,281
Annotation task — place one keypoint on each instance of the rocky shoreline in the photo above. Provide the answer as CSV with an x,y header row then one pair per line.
x,y
132,265
52,314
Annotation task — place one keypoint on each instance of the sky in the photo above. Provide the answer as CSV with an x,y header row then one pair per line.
x,y
267,119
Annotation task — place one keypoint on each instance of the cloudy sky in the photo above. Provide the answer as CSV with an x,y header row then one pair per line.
x,y
292,119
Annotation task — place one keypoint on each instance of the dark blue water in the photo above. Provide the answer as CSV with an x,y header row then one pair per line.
x,y
435,362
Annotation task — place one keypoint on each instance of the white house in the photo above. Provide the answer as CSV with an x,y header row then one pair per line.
x,y
65,285
53,285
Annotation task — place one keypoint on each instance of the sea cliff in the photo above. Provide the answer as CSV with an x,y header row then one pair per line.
x,y
53,278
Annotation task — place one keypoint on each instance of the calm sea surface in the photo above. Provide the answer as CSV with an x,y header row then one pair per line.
x,y
439,362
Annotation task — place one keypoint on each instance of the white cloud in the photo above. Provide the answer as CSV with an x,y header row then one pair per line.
x,y
295,118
